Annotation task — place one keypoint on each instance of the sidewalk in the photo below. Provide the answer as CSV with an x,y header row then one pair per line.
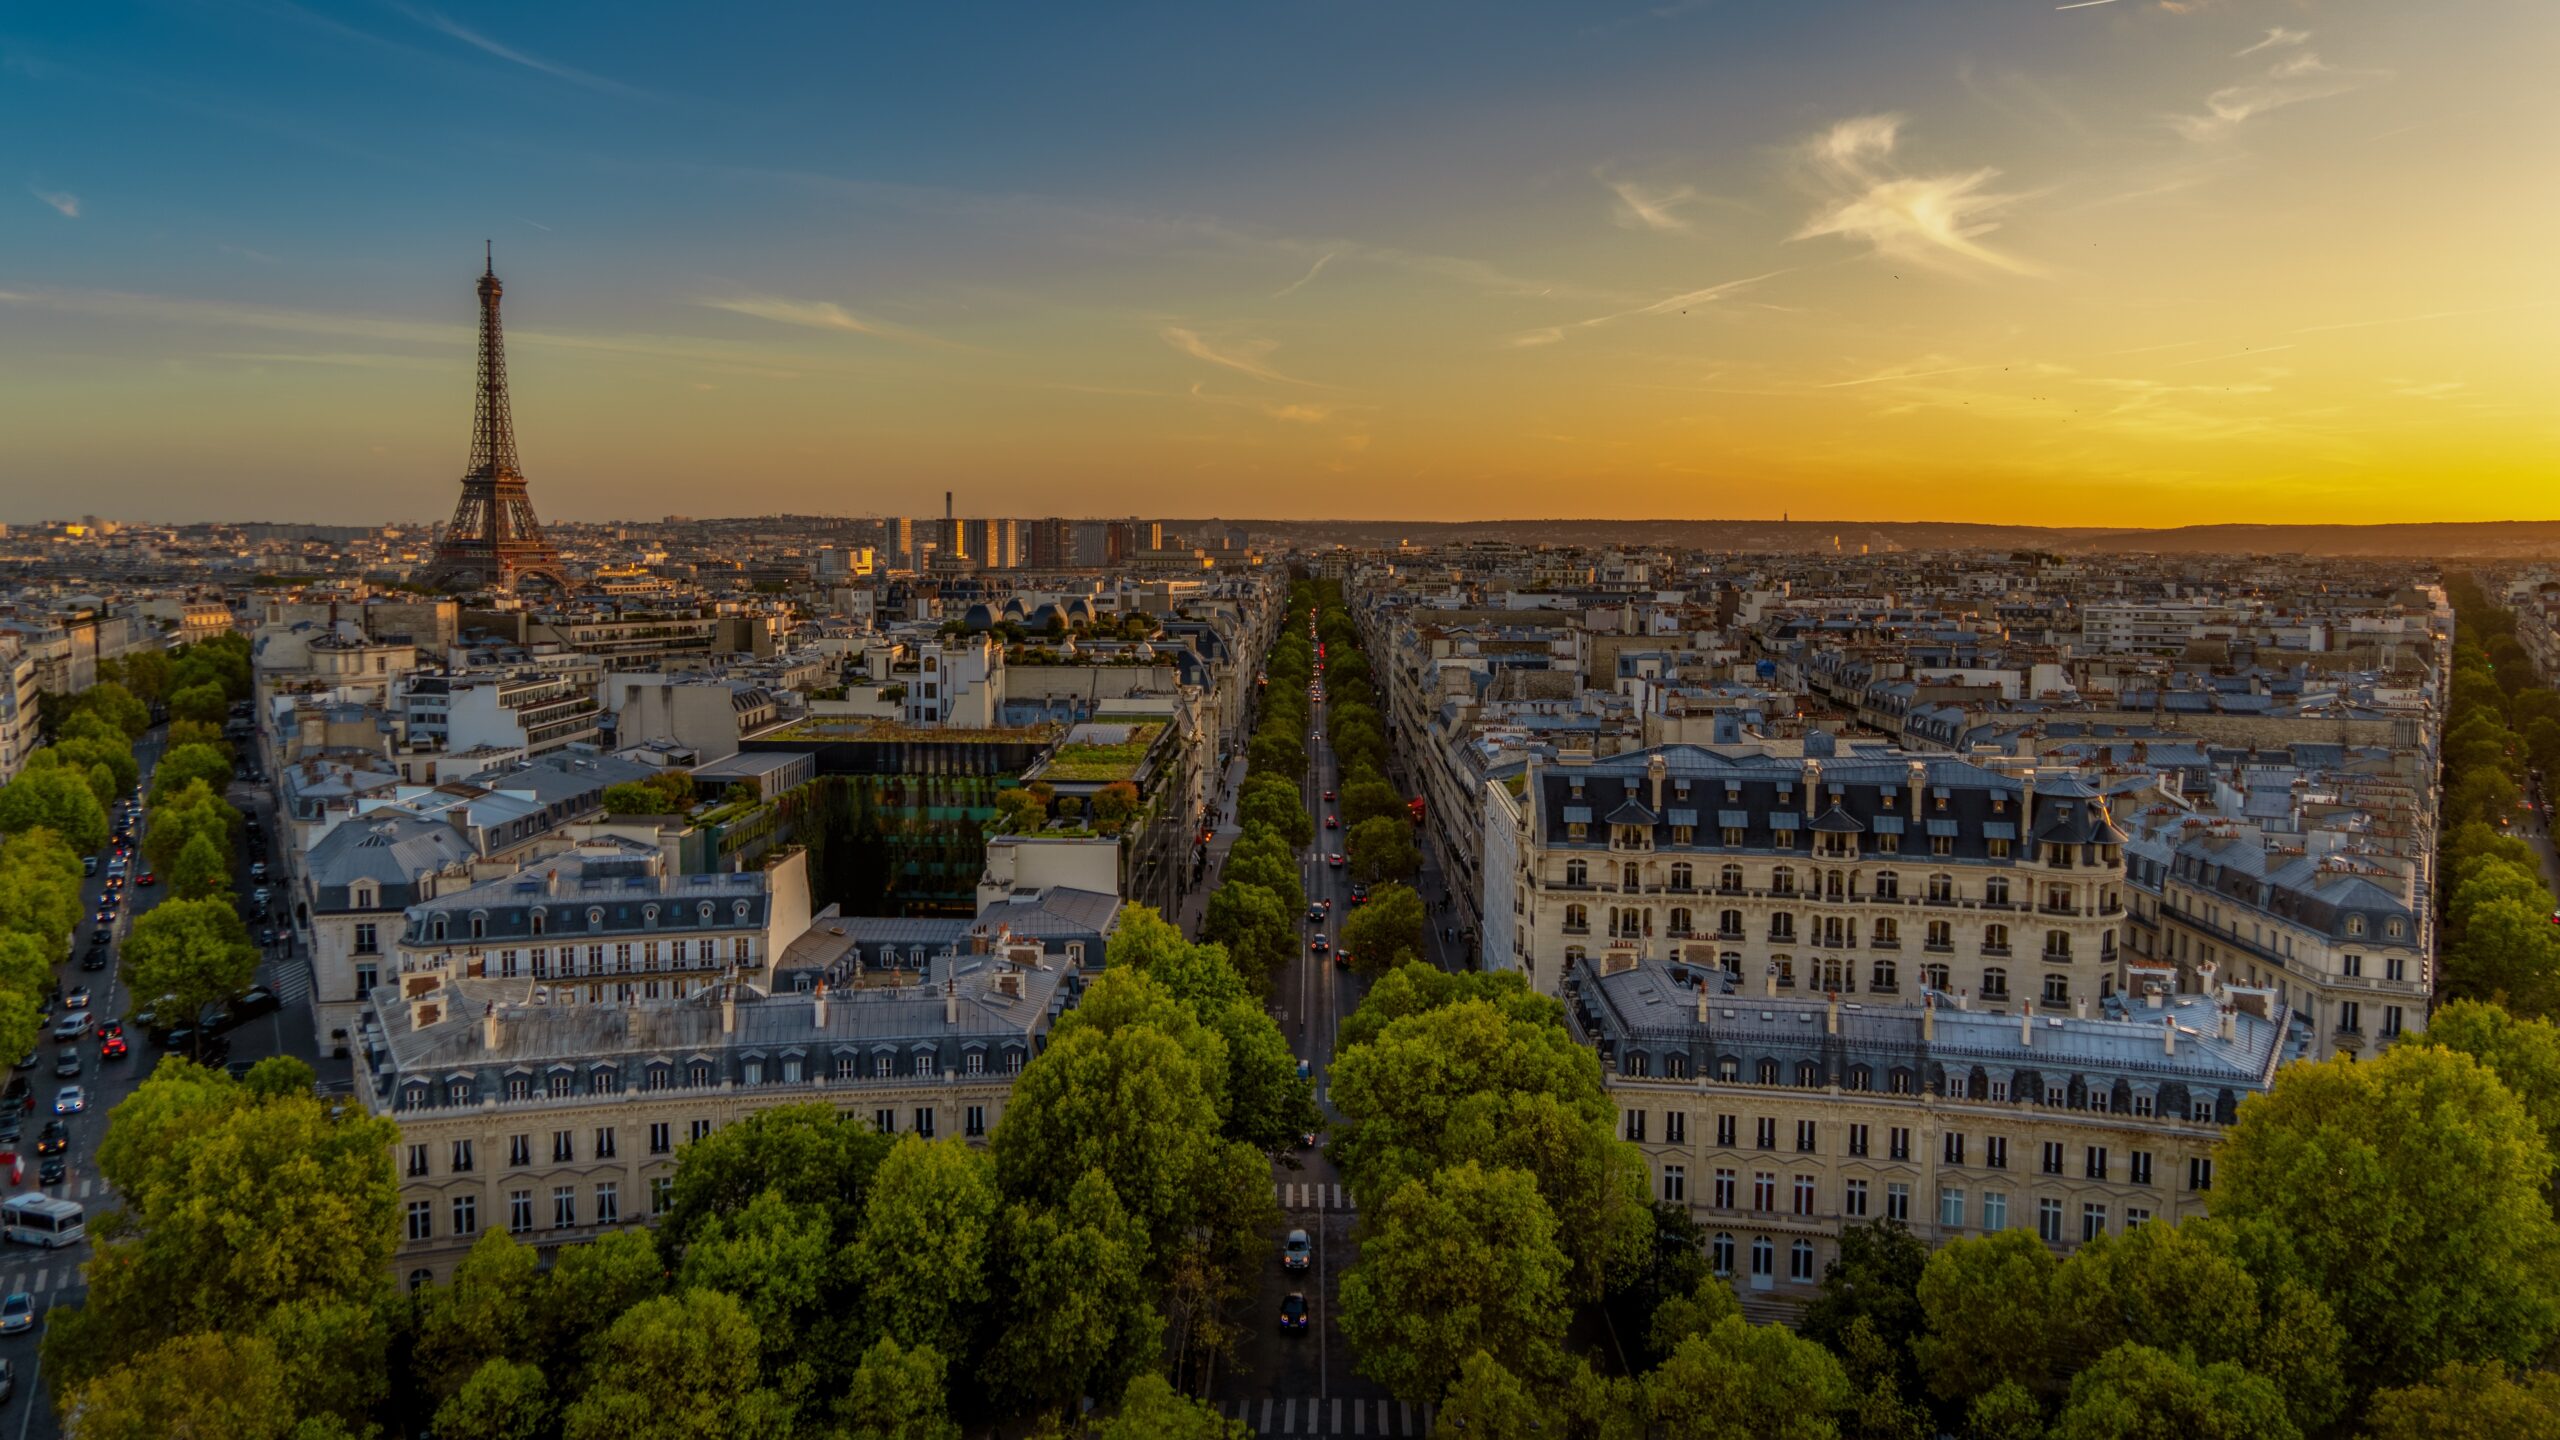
x,y
1222,838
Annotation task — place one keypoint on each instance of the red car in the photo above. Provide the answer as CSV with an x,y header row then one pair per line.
x,y
1328,794
1333,822
112,1047
1335,859
148,879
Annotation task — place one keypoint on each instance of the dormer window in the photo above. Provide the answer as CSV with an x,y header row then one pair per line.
x,y
537,920
479,924
595,917
649,914
2355,924
363,896
703,912
435,928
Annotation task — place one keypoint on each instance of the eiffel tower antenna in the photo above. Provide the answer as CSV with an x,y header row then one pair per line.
x,y
494,542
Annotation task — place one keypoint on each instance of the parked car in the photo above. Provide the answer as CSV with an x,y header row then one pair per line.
x,y
258,871
249,1004
148,878
88,864
1297,1252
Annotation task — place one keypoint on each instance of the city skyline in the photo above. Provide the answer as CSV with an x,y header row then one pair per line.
x,y
2123,264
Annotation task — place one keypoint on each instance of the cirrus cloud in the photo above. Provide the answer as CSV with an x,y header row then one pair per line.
x,y
1928,219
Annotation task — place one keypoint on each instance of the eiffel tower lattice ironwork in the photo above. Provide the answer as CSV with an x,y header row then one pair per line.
x,y
494,542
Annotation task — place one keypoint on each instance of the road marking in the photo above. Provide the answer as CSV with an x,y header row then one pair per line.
x,y
1407,1412
1336,1426
1359,1410
1265,1426
1289,1416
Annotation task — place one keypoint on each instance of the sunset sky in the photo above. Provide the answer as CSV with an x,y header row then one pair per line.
x,y
2126,262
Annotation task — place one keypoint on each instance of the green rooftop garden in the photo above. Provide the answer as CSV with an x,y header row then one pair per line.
x,y
1080,761
857,727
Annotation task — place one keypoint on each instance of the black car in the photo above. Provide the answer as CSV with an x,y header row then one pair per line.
x,y
17,1091
54,1138
255,1001
53,1170
1293,1312
96,960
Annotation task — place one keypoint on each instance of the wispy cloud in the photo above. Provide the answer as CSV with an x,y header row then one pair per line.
x,y
1668,304
1294,286
2290,81
1245,357
816,315
1643,208
2278,38
1925,219
62,200
455,30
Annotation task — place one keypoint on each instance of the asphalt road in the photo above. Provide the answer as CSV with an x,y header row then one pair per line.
x,y
52,1277
1302,1383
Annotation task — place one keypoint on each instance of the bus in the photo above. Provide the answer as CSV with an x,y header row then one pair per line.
x,y
37,1219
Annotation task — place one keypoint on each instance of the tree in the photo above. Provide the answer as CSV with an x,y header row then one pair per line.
x,y
1275,802
593,1286
2524,1055
1264,1102
1681,1318
777,1260
926,1258
234,1204
58,799
192,951
202,872
2468,1402
1078,1318
1383,850
2411,1193
1875,1278
503,1400
87,753
897,1393
1151,1410
204,1384
2134,1392
1462,1261
1372,799
1387,931
1487,1402
1742,1381
1260,935
187,764
195,732
204,702
1260,858
2508,951
487,1314
26,968
117,706
1467,1082
633,797
809,1154
1019,811
1988,1306
1114,806
668,1369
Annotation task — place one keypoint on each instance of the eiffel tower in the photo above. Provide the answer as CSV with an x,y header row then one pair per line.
x,y
494,542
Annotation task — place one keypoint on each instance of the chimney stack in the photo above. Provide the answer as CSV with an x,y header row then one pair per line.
x,y
1769,980
2080,1007
729,1007
819,1006
2027,1021
1928,1017
490,1029
2230,1022
1704,995
950,999
1831,1013
2168,1034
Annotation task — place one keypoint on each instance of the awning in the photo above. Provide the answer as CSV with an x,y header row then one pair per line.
x,y
1783,819
1888,825
1942,827
1684,817
1577,814
1734,819
1999,830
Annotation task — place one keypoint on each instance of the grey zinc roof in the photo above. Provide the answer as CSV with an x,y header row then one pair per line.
x,y
388,852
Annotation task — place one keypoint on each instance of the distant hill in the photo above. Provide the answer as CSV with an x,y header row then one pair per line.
x,y
2503,539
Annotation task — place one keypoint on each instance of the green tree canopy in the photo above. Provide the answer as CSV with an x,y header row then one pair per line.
x,y
1989,1307
927,1255
196,951
2468,1402
1387,931
1462,1260
1382,850
808,1154
1741,1381
2411,1193
897,1393
2135,1392
55,798
2524,1055
1259,932
669,1370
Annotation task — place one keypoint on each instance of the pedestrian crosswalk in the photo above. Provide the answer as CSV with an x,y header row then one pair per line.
x,y
1331,1419
42,1279
1305,1195
287,975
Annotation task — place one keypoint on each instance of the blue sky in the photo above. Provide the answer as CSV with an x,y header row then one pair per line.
x,y
1976,258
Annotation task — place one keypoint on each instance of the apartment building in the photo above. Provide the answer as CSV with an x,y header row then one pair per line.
x,y
20,697
536,1107
2335,936
1872,873
1777,1120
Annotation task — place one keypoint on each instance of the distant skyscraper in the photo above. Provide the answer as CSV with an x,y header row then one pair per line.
x,y
898,540
1050,544
1129,539
494,542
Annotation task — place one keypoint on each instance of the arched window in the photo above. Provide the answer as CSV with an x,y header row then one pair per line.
x,y
1995,939
1942,889
1729,878
1782,881
1888,931
1573,955
1682,877
1934,976
1888,885
1577,917
1995,891
1995,983
479,924
1729,923
435,928
538,918
1679,920
1887,976
1577,872
2057,989
2355,924
2057,944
